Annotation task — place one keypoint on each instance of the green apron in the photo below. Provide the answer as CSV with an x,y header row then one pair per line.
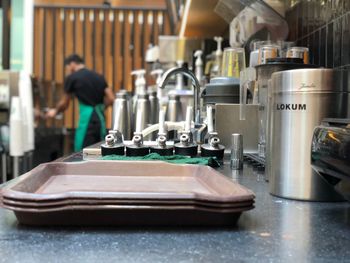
x,y
85,112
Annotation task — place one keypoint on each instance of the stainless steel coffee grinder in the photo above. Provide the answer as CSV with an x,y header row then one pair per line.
x,y
300,100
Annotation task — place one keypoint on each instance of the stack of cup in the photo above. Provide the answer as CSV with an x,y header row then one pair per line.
x,y
233,62
16,133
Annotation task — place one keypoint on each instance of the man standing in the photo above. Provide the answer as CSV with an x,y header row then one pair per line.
x,y
93,95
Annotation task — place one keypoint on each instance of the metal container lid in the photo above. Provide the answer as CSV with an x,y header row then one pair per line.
x,y
280,64
264,71
308,80
292,62
285,60
222,86
224,81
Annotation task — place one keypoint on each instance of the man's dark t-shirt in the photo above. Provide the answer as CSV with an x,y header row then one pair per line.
x,y
87,86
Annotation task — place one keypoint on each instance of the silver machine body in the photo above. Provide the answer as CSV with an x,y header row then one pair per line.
x,y
298,101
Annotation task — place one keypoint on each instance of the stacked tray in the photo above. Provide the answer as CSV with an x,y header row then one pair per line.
x,y
125,193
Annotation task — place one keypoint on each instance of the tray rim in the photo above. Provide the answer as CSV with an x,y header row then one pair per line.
x,y
118,208
122,202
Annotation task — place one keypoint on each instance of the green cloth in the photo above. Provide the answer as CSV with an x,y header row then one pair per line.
x,y
85,112
175,159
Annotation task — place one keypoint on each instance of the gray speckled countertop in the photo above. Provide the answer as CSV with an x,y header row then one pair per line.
x,y
277,230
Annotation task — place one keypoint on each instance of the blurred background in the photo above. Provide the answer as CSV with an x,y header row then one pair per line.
x,y
118,36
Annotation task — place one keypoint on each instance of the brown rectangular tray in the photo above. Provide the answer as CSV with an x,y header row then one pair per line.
x,y
125,180
121,207
67,202
128,215
125,193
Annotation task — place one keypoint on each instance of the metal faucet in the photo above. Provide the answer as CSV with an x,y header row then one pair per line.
x,y
195,83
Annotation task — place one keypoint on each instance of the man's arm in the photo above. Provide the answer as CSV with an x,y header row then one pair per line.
x,y
61,106
109,97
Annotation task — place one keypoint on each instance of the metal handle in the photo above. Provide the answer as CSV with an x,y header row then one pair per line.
x,y
210,119
161,122
188,119
195,83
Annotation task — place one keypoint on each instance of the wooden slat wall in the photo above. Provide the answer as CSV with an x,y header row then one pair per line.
x,y
112,41
93,3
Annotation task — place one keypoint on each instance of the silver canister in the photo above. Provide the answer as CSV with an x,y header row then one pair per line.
x,y
300,99
154,107
142,112
236,151
174,110
263,73
121,117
